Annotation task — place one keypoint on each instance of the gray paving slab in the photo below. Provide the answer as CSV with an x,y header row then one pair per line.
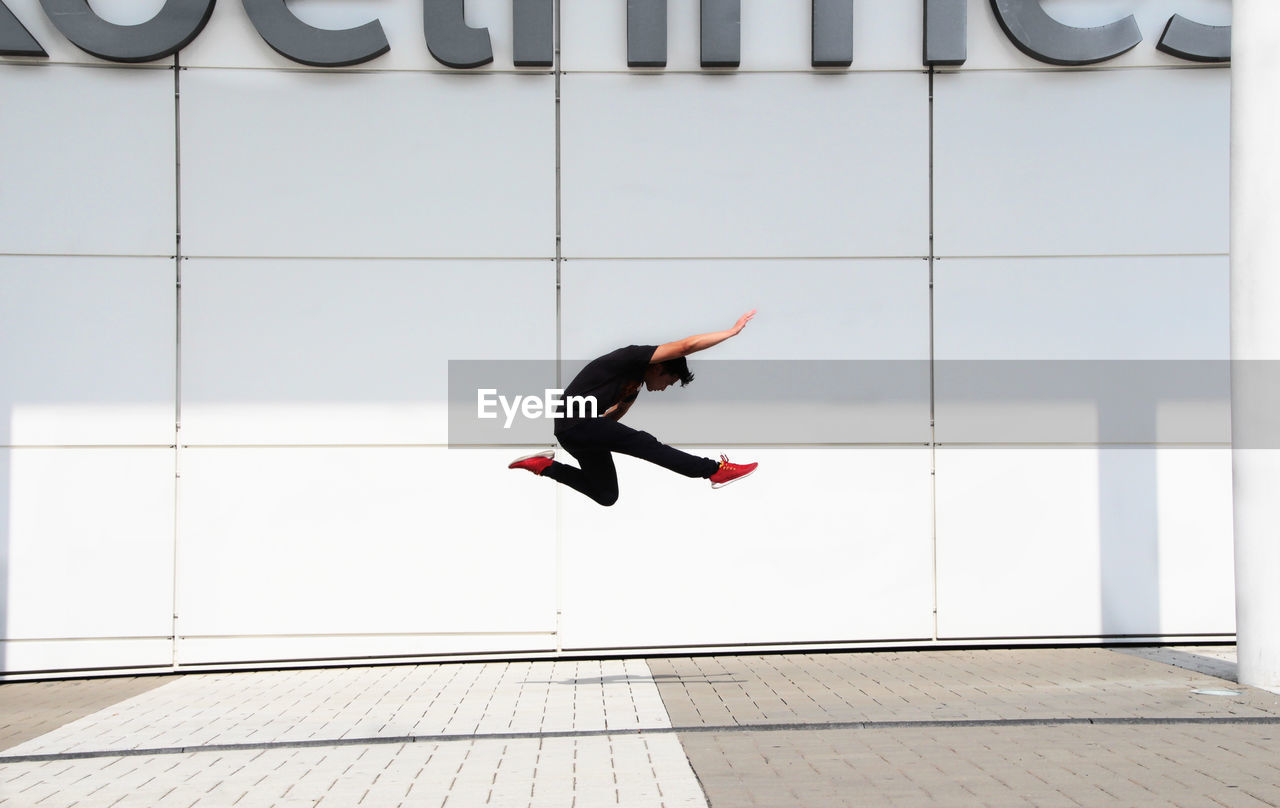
x,y
953,685
340,704
1023,727
555,733
630,770
31,709
1073,765
1213,660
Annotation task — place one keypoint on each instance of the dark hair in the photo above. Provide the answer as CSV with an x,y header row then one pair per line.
x,y
678,367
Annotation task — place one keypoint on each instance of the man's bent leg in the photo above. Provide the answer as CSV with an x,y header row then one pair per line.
x,y
597,478
625,440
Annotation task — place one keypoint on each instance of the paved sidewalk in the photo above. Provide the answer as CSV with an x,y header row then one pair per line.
x,y
1065,727
1044,727
30,710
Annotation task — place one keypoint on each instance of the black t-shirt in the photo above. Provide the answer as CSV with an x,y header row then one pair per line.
x,y
612,379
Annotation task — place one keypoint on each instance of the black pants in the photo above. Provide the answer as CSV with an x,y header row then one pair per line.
x,y
593,442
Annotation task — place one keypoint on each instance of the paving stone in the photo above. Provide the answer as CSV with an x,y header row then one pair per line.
x,y
452,773
972,766
31,709
940,686
398,701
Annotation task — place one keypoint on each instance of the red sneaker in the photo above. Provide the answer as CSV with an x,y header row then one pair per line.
x,y
537,463
728,472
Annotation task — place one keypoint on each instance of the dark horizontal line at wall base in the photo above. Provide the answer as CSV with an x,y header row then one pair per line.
x,y
594,653
1101,640
906,644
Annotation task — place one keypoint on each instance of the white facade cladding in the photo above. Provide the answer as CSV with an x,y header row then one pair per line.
x,y
231,286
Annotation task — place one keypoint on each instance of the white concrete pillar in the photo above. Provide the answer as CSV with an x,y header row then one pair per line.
x,y
1255,335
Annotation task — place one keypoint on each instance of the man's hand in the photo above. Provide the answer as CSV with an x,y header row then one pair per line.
x,y
699,342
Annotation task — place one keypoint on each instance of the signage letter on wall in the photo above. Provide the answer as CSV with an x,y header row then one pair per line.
x,y
455,44
832,33
946,32
451,42
15,39
534,25
1194,41
1043,38
721,33
646,33
294,39
168,32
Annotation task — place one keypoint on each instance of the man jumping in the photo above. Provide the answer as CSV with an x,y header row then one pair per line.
x,y
614,382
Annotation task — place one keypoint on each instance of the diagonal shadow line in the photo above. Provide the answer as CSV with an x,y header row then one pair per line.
x,y
1263,720
1186,660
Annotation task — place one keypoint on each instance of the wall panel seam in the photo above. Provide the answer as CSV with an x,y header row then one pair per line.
x,y
177,353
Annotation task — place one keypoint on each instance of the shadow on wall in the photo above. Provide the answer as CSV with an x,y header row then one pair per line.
x,y
1128,536
1128,412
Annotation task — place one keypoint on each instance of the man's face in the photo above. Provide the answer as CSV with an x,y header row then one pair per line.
x,y
656,379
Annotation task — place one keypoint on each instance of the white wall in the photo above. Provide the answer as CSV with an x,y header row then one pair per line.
x,y
247,427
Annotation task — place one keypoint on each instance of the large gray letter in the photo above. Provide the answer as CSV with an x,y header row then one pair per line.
x,y
946,32
646,33
15,39
832,33
534,25
1042,37
721,33
1194,41
168,32
294,39
449,39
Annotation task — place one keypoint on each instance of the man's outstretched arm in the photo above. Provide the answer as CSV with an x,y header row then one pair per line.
x,y
699,342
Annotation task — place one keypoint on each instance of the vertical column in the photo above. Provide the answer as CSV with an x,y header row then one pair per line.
x,y
177,350
1255,337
